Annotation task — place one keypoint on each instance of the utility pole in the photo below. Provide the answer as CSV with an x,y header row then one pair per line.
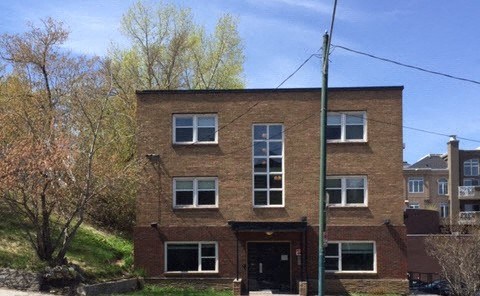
x,y
323,169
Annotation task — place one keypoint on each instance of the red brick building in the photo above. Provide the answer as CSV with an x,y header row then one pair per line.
x,y
233,186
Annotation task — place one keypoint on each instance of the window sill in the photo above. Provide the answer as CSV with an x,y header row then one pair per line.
x,y
269,207
196,208
176,273
195,144
351,272
346,142
347,206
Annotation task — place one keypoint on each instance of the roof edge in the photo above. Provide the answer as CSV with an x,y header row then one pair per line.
x,y
261,90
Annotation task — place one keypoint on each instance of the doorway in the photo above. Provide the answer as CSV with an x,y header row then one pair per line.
x,y
269,266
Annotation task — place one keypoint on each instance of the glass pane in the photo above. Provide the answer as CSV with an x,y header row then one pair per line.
x,y
206,198
206,184
355,119
206,121
184,134
260,148
275,164
331,250
184,184
208,264
260,132
355,196
334,119
354,182
275,197
260,165
334,196
275,132
357,256
260,181
331,264
276,181
354,132
208,250
333,133
260,198
184,121
334,183
182,257
184,198
206,134
275,148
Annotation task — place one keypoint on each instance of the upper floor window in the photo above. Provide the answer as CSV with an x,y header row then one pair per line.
x,y
415,185
350,257
442,186
268,168
191,257
470,182
470,167
346,127
195,128
347,191
195,192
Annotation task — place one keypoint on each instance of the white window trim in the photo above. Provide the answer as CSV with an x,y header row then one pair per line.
x,y
472,163
344,192
340,258
267,173
195,129
199,244
343,124
442,186
416,179
195,192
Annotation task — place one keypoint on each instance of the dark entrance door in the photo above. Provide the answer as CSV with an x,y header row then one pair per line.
x,y
269,266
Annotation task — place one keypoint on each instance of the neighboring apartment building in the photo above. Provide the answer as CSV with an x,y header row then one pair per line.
x,y
449,183
426,184
464,184
233,182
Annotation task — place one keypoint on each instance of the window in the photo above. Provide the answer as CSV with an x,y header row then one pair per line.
x,y
442,186
347,191
444,210
470,167
194,129
346,127
415,185
470,182
350,257
268,165
195,192
414,205
191,257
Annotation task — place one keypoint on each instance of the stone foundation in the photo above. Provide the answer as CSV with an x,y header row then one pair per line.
x,y
19,280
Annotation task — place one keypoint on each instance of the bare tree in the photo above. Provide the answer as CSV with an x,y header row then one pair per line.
x,y
459,259
54,155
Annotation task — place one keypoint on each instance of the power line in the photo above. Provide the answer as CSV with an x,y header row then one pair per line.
x,y
295,72
407,65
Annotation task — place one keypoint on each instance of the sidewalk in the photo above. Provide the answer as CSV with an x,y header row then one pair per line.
x,y
8,292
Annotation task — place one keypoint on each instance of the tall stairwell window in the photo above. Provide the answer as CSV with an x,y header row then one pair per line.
x,y
470,167
268,170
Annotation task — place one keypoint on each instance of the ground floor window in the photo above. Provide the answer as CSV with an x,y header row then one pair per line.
x,y
414,205
350,257
444,210
191,257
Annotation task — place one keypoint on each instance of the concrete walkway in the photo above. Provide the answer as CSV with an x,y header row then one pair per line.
x,y
8,292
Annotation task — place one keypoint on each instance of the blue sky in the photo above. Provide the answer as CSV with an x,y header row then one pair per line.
x,y
279,35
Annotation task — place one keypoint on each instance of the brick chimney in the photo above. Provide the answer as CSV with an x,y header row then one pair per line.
x,y
453,178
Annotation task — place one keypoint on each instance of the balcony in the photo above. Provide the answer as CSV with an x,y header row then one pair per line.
x,y
469,218
468,192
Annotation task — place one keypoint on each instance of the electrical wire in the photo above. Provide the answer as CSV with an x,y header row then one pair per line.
x,y
407,65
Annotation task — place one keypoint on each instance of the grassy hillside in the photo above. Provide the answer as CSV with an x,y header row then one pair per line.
x,y
100,254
